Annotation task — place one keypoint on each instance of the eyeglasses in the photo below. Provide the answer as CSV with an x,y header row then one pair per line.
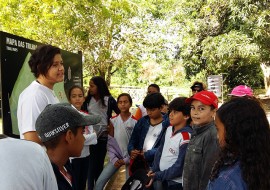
x,y
194,90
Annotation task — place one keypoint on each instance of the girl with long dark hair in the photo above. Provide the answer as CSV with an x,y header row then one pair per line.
x,y
99,102
244,138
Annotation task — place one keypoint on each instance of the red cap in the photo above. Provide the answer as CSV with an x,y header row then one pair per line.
x,y
206,97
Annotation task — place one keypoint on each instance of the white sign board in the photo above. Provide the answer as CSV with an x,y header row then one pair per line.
x,y
214,83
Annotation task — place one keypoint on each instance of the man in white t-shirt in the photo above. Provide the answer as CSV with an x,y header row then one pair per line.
x,y
46,64
24,165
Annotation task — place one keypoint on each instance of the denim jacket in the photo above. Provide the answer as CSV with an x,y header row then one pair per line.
x,y
229,178
139,133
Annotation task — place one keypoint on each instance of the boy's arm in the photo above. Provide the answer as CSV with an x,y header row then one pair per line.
x,y
150,154
176,169
134,139
210,152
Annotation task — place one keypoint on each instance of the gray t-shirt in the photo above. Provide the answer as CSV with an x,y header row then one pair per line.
x,y
25,166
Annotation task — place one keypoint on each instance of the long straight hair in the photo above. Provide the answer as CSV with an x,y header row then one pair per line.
x,y
102,88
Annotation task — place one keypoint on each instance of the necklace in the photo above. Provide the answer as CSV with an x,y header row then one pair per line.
x,y
66,175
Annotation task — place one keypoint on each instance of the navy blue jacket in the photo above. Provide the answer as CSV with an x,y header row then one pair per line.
x,y
139,133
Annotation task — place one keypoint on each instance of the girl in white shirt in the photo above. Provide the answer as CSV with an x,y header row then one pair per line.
x,y
120,129
80,165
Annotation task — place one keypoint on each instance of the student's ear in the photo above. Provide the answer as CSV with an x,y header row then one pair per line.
x,y
186,117
214,113
69,136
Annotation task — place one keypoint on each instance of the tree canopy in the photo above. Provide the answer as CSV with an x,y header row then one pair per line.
x,y
169,42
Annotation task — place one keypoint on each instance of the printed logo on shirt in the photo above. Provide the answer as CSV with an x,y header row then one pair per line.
x,y
129,130
172,151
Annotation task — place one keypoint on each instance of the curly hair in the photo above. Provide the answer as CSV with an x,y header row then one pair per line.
x,y
42,59
247,140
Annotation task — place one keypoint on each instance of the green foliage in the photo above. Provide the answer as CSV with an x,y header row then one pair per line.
x,y
225,37
93,27
137,42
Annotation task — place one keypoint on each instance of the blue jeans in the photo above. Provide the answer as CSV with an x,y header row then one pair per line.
x,y
108,171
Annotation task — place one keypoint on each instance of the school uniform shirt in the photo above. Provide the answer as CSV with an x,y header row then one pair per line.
x,y
95,107
32,102
151,136
169,159
123,131
25,165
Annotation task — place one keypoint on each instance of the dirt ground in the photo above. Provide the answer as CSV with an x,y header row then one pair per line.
x,y
118,180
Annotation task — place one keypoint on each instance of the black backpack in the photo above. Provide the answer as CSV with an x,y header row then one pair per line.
x,y
137,181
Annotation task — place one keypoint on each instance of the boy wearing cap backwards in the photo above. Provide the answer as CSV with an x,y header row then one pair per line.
x,y
60,128
202,149
169,158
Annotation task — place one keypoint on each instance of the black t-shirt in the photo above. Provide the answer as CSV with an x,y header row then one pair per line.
x,y
62,183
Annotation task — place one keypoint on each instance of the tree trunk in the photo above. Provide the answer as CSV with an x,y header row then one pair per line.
x,y
109,75
266,72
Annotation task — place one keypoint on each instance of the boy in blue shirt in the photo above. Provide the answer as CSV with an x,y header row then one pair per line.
x,y
169,158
